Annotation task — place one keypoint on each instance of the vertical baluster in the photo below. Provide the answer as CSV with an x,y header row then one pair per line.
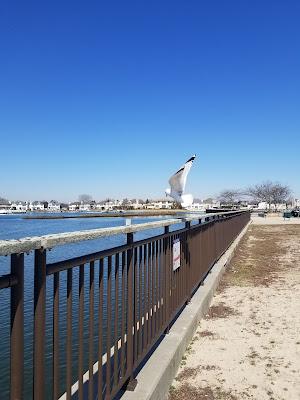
x,y
116,327
130,304
140,344
100,329
17,328
149,292
144,296
167,279
135,305
69,334
171,275
91,332
157,300
56,336
108,328
80,332
152,289
189,250
146,292
161,280
39,324
123,315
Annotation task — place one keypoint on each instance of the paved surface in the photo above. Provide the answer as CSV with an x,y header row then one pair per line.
x,y
248,345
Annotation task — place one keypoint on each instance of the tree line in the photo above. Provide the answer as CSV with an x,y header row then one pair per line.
x,y
268,191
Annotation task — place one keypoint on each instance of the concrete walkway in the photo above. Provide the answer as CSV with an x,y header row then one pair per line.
x,y
248,345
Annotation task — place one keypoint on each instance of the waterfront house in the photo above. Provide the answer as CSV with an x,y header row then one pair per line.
x,y
19,206
74,206
54,206
197,207
100,206
64,207
37,206
84,206
4,206
163,204
136,204
264,206
204,205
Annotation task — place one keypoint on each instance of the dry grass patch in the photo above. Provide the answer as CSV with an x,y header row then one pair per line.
x,y
261,267
187,373
190,392
206,333
220,311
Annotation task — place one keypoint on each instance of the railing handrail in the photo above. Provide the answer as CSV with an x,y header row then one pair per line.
x,y
28,244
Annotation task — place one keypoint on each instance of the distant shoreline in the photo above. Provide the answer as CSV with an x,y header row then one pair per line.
x,y
125,214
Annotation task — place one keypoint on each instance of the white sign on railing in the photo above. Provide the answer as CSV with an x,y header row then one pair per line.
x,y
176,254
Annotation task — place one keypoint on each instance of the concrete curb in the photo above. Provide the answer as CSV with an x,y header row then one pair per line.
x,y
157,375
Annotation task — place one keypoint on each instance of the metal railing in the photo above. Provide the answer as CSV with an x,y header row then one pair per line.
x,y
109,308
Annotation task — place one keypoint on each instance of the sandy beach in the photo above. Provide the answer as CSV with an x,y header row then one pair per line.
x,y
275,220
248,344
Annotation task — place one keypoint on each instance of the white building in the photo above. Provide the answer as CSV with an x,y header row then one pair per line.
x,y
137,205
197,207
163,205
158,205
296,203
19,206
5,206
108,205
36,206
74,206
263,205
53,206
84,207
204,205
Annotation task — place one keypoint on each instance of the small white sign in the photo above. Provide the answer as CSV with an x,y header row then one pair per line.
x,y
176,254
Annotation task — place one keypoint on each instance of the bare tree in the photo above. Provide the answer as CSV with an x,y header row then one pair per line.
x,y
270,192
229,196
281,194
85,198
208,200
176,206
4,201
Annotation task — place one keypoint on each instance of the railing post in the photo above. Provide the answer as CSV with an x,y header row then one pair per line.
x,y
39,324
17,328
188,262
131,384
167,280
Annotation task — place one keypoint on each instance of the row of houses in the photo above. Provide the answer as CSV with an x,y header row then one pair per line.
x,y
55,206
135,204
263,205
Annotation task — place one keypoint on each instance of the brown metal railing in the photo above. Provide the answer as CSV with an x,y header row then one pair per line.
x,y
115,305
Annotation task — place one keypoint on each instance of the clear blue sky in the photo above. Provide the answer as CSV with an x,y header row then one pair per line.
x,y
110,98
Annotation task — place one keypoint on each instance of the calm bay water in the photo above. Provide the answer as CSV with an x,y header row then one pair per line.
x,y
15,227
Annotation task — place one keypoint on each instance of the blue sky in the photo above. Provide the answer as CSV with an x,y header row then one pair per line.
x,y
111,98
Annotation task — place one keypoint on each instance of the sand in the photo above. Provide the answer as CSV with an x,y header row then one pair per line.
x,y
248,345
275,220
